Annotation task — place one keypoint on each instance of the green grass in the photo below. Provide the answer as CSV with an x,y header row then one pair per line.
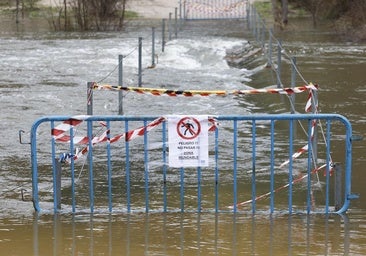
x,y
264,9
131,15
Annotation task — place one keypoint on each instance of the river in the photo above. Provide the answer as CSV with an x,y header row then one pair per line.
x,y
45,73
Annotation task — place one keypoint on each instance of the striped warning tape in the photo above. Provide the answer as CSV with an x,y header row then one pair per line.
x,y
105,137
296,155
297,180
304,148
59,130
189,93
130,135
309,103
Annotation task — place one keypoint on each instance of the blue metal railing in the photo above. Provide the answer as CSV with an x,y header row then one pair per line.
x,y
245,173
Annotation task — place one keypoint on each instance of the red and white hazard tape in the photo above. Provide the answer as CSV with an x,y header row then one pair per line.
x,y
304,148
129,135
309,103
59,131
308,106
257,198
296,155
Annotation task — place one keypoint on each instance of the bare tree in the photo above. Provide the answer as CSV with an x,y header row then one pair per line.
x,y
284,19
65,14
313,7
17,12
280,12
97,15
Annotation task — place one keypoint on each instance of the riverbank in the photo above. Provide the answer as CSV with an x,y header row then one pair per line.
x,y
151,9
155,9
144,8
349,26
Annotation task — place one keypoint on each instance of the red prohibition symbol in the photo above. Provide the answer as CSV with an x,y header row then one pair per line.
x,y
188,128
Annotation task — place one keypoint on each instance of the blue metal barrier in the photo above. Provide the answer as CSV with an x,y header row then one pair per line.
x,y
255,165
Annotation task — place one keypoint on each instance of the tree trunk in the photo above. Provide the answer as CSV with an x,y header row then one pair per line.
x,y
275,11
17,12
284,12
280,14
122,17
65,7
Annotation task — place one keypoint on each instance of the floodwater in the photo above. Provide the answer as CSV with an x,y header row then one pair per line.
x,y
45,73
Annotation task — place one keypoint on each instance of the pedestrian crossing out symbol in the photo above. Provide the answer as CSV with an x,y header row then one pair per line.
x,y
188,128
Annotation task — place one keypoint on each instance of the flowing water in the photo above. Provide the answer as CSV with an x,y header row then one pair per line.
x,y
45,73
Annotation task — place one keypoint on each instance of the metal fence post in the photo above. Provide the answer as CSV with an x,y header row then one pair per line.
x,y
153,47
293,83
89,98
314,107
140,62
170,26
184,10
258,33
90,165
270,48
263,36
176,22
248,17
279,50
337,187
163,36
254,22
120,83
57,189
180,15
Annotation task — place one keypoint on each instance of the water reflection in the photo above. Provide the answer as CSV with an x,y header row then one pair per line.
x,y
178,234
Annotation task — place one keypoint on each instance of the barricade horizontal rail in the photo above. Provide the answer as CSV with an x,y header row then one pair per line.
x,y
254,163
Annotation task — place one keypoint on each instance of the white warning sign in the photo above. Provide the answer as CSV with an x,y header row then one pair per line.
x,y
188,140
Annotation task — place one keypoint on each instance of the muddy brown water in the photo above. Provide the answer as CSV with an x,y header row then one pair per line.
x,y
43,73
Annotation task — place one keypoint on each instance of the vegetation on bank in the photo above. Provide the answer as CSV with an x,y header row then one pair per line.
x,y
73,15
348,17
